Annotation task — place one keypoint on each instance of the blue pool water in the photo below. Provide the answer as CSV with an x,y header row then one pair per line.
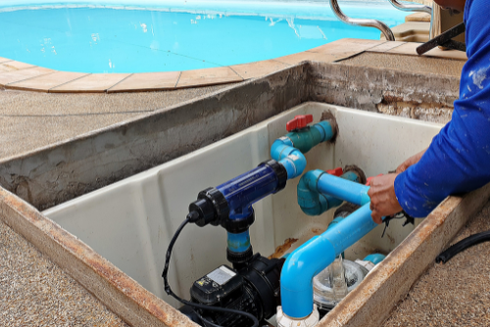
x,y
170,36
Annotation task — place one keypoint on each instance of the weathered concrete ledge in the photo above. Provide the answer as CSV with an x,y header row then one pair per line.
x,y
400,93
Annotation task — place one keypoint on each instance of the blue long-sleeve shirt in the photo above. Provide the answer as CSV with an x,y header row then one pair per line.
x,y
458,159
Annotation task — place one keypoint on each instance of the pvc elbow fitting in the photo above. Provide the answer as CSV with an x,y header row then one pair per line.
x,y
310,200
316,254
291,158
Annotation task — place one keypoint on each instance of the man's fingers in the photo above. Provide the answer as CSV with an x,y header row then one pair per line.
x,y
376,217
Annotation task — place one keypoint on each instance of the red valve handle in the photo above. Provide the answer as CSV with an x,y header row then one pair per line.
x,y
336,172
300,121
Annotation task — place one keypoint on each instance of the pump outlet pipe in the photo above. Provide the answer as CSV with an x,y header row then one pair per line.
x,y
320,251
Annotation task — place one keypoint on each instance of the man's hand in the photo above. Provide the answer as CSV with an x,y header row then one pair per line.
x,y
410,161
383,197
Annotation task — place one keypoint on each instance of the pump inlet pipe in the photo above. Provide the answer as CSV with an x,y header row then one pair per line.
x,y
387,32
320,251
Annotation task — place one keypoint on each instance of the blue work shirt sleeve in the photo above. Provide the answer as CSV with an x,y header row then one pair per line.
x,y
458,159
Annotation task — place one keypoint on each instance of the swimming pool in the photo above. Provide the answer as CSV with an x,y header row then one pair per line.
x,y
151,36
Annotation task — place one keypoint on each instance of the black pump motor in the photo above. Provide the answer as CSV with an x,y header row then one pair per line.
x,y
254,288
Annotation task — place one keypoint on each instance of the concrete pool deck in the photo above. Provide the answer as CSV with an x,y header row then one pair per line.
x,y
25,112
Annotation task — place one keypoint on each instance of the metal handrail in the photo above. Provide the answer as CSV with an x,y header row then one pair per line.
x,y
411,7
362,22
416,8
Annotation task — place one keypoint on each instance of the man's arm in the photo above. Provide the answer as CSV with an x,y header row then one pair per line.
x,y
458,159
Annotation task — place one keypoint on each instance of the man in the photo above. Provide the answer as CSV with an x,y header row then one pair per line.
x,y
458,159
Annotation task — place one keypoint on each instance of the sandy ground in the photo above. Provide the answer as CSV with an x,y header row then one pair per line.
x,y
453,294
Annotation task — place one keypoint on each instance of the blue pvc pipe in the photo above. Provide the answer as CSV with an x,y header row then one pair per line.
x,y
338,187
314,256
291,158
239,242
325,128
283,150
311,201
375,258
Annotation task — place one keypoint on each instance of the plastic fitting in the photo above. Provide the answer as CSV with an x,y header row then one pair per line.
x,y
314,203
289,150
316,254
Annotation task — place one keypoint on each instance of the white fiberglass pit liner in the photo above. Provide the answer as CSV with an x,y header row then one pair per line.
x,y
132,221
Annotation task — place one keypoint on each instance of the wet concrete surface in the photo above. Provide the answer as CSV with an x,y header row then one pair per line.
x,y
453,294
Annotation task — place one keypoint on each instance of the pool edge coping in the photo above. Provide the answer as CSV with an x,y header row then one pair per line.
x,y
15,75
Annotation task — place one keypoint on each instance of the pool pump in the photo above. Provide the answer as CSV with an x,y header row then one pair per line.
x,y
254,289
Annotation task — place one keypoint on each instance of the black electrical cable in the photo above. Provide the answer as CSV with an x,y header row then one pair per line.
x,y
463,245
192,217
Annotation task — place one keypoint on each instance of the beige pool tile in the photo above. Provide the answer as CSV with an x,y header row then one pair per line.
x,y
209,76
312,56
4,60
45,82
418,17
346,46
9,66
147,82
406,49
410,49
411,32
19,75
96,83
386,46
259,68
449,54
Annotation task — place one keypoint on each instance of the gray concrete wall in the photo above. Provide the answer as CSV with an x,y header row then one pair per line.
x,y
428,96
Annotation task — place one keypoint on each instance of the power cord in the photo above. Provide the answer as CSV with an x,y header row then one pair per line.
x,y
192,217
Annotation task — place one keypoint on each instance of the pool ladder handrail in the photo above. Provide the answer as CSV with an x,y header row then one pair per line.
x,y
411,7
415,8
361,21
387,32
